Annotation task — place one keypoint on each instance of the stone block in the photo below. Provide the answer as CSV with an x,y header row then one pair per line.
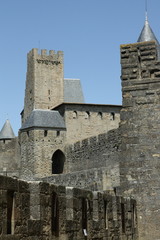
x,y
34,227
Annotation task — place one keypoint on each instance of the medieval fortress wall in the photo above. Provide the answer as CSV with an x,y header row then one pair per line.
x,y
93,157
45,90
10,158
38,210
140,121
88,120
92,163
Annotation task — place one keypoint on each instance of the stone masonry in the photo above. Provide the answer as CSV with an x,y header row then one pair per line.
x,y
45,90
74,163
42,211
37,150
88,120
140,122
10,158
44,83
82,159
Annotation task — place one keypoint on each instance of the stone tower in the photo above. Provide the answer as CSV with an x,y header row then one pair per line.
x,y
40,137
140,124
140,117
43,130
45,81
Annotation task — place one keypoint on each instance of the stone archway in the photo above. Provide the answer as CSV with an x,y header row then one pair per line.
x,y
58,160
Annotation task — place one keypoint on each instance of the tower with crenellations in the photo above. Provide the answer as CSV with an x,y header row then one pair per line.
x,y
139,125
56,116
94,147
44,82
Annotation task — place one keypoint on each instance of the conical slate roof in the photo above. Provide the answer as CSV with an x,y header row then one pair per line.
x,y
7,131
147,34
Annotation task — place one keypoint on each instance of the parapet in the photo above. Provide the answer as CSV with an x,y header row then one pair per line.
x,y
140,61
38,210
45,54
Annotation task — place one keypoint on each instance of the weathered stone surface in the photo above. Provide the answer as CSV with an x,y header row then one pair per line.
x,y
106,160
82,206
43,66
9,157
139,156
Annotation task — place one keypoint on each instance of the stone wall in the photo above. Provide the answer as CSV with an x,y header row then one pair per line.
x,y
95,179
87,120
9,157
95,152
140,121
45,81
92,163
37,149
39,146
40,211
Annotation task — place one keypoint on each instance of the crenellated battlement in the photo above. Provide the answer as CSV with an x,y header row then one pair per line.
x,y
139,153
44,53
140,61
95,140
38,210
86,152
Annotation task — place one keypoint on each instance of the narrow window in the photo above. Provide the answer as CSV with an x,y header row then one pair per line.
x,y
84,216
58,133
87,115
10,212
134,216
75,114
55,215
58,160
105,215
112,116
45,133
100,115
123,217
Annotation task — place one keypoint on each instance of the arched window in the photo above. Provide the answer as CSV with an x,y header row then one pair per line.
x,y
75,115
58,160
112,116
87,115
100,115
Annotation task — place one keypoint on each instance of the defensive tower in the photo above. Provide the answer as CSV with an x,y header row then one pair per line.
x,y
140,118
45,81
139,158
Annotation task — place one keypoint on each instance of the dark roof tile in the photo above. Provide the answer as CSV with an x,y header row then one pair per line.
x,y
44,119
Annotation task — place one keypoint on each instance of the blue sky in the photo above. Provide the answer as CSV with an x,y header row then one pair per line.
x,y
88,31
